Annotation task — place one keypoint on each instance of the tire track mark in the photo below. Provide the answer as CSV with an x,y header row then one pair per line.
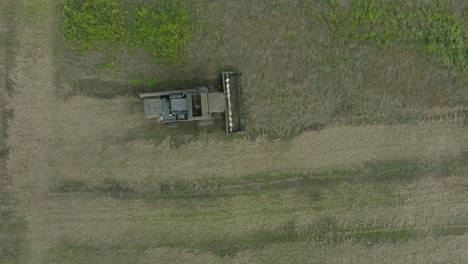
x,y
11,238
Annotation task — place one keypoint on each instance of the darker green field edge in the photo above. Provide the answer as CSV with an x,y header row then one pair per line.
x,y
324,232
377,172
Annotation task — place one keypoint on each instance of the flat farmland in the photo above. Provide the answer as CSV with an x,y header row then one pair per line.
x,y
355,148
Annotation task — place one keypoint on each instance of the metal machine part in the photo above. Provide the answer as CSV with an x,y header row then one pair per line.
x,y
204,104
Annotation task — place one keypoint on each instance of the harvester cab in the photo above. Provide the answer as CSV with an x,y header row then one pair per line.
x,y
203,104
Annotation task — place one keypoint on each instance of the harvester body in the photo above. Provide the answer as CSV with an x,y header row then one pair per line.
x,y
203,104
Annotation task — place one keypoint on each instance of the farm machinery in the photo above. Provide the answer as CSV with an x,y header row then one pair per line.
x,y
203,104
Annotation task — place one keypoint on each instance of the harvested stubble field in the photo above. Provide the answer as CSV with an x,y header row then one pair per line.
x,y
355,150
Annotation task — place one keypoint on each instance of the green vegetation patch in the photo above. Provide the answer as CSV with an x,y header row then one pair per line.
x,y
446,38
257,240
380,176
431,25
192,209
12,234
450,230
91,23
143,82
69,186
161,28
387,236
253,240
379,181
364,21
326,230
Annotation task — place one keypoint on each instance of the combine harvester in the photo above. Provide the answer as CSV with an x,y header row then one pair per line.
x,y
204,104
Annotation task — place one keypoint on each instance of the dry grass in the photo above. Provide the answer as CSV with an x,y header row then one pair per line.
x,y
96,185
30,130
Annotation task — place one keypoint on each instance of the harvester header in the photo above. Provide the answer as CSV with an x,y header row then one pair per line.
x,y
231,89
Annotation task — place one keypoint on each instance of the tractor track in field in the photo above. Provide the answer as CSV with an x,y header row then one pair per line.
x,y
30,83
11,241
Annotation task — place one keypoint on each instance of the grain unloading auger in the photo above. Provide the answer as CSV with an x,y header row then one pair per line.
x,y
203,104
